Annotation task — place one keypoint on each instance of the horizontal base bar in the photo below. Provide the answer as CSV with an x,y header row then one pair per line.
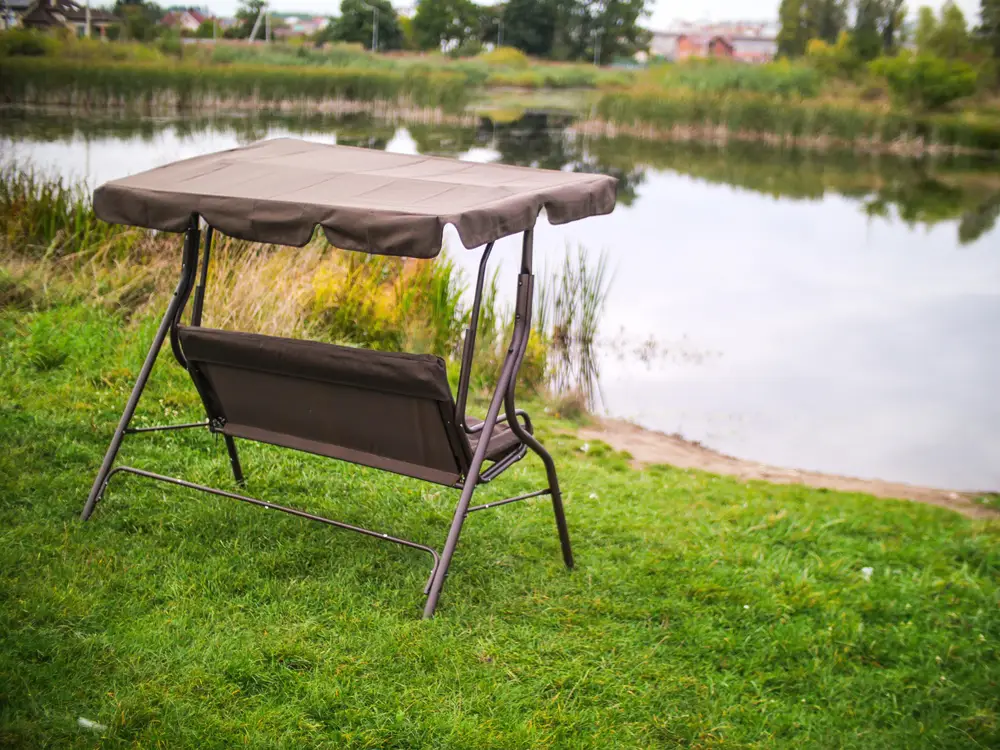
x,y
498,503
291,511
164,428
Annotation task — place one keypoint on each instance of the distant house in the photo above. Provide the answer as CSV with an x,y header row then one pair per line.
x,y
11,12
47,15
299,26
184,20
720,47
741,41
694,45
754,49
663,44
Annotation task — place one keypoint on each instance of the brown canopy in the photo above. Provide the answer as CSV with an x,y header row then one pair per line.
x,y
277,191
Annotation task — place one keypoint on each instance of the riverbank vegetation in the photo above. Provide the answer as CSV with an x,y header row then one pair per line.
x,y
703,610
833,88
837,87
54,251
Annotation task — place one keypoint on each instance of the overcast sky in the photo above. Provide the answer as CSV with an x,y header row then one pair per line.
x,y
664,11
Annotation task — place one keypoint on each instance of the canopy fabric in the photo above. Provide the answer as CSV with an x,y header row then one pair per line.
x,y
278,191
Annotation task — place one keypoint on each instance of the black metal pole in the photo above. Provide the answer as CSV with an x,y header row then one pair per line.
x,y
188,268
199,293
469,347
191,242
523,310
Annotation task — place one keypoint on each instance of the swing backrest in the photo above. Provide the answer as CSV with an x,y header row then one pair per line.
x,y
386,410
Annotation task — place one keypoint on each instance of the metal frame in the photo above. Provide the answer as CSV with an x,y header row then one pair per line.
x,y
503,398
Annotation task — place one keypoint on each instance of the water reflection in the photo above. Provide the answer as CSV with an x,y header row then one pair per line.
x,y
923,192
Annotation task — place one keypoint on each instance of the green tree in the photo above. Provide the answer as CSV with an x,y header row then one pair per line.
x,y
793,35
206,30
868,23
356,22
530,26
140,20
990,28
617,29
824,19
894,22
443,22
926,29
952,38
488,22
246,17
947,36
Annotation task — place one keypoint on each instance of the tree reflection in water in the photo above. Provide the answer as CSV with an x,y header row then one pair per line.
x,y
927,191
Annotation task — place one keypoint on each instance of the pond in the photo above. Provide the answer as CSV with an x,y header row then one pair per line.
x,y
829,312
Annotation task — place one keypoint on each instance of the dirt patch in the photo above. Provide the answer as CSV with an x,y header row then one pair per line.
x,y
649,447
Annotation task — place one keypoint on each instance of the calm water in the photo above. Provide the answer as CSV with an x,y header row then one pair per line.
x,y
827,313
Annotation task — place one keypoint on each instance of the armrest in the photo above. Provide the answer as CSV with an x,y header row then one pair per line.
x,y
503,418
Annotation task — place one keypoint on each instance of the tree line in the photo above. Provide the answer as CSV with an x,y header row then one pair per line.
x,y
870,28
601,30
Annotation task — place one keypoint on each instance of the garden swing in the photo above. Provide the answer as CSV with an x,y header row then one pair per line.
x,y
389,411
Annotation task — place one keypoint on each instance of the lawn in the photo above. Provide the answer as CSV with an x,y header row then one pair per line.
x,y
704,612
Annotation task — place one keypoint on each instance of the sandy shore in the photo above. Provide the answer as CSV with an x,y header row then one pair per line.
x,y
649,447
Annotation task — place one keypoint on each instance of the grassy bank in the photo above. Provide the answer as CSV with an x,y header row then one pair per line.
x,y
185,86
695,116
798,104
704,611
36,69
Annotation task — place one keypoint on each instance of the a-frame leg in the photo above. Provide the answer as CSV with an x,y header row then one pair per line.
x,y
525,296
472,479
177,302
504,395
550,471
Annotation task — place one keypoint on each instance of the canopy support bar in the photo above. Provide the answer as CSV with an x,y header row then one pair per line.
x,y
199,293
469,346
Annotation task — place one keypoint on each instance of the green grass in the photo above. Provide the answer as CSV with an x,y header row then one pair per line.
x,y
704,612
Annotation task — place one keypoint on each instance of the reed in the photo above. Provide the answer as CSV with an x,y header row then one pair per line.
x,y
183,86
657,112
569,307
780,79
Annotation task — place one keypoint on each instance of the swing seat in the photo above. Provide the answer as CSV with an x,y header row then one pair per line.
x,y
389,411
385,410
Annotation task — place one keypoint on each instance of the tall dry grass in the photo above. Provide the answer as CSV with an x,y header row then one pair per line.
x,y
54,251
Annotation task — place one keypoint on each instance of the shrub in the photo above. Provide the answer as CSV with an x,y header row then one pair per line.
x,y
839,60
26,43
924,81
506,57
468,48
